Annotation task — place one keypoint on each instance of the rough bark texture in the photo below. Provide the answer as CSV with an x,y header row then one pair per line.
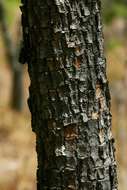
x,y
69,94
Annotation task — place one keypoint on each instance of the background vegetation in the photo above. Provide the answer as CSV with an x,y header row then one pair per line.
x,y
17,142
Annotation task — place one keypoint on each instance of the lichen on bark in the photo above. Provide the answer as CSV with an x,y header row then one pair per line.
x,y
69,94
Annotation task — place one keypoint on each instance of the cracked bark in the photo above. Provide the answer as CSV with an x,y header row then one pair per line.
x,y
69,95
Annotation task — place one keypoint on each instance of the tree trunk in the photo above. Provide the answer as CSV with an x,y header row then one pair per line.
x,y
69,95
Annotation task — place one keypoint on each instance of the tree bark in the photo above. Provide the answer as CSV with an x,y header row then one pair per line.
x,y
69,94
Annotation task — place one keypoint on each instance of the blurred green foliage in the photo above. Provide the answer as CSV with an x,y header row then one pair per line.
x,y
113,43
11,7
114,8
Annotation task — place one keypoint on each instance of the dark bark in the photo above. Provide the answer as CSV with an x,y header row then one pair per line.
x,y
12,58
69,95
